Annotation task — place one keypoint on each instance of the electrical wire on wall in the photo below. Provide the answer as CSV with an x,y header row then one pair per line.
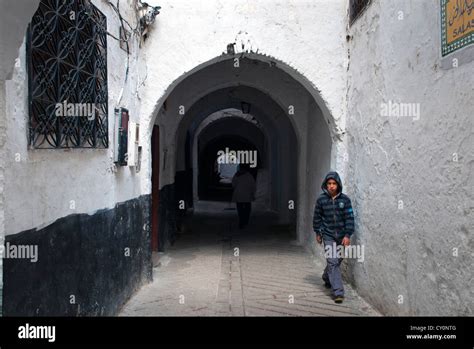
x,y
145,16
116,8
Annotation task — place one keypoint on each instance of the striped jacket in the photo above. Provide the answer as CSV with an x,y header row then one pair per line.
x,y
333,218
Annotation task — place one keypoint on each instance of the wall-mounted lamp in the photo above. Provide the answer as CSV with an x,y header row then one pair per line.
x,y
245,107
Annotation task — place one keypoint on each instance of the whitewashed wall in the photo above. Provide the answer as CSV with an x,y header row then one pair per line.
x,y
400,162
42,185
188,35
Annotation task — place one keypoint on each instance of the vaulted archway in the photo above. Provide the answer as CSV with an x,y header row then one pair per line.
x,y
297,127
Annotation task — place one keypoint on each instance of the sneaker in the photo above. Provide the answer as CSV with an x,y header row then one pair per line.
x,y
338,299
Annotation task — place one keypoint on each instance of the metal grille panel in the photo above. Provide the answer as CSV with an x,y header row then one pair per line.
x,y
67,76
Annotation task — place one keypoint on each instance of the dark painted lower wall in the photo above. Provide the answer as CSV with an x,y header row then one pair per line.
x,y
83,256
167,221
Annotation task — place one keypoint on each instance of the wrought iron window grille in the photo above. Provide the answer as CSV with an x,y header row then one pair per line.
x,y
67,76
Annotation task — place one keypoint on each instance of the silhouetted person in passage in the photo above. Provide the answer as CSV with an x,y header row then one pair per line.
x,y
244,187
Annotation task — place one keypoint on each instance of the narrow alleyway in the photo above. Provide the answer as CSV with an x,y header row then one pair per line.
x,y
216,270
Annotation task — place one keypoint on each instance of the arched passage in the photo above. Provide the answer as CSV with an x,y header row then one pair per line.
x,y
216,145
297,137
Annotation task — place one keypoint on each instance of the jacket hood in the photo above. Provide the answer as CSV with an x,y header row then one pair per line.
x,y
332,175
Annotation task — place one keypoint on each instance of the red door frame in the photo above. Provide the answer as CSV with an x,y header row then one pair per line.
x,y
155,186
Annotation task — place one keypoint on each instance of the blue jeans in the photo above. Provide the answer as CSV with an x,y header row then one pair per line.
x,y
332,272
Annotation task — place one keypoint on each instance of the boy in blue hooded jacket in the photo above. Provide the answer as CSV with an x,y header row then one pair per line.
x,y
333,223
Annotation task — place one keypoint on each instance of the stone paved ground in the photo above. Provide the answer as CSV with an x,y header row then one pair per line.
x,y
213,269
